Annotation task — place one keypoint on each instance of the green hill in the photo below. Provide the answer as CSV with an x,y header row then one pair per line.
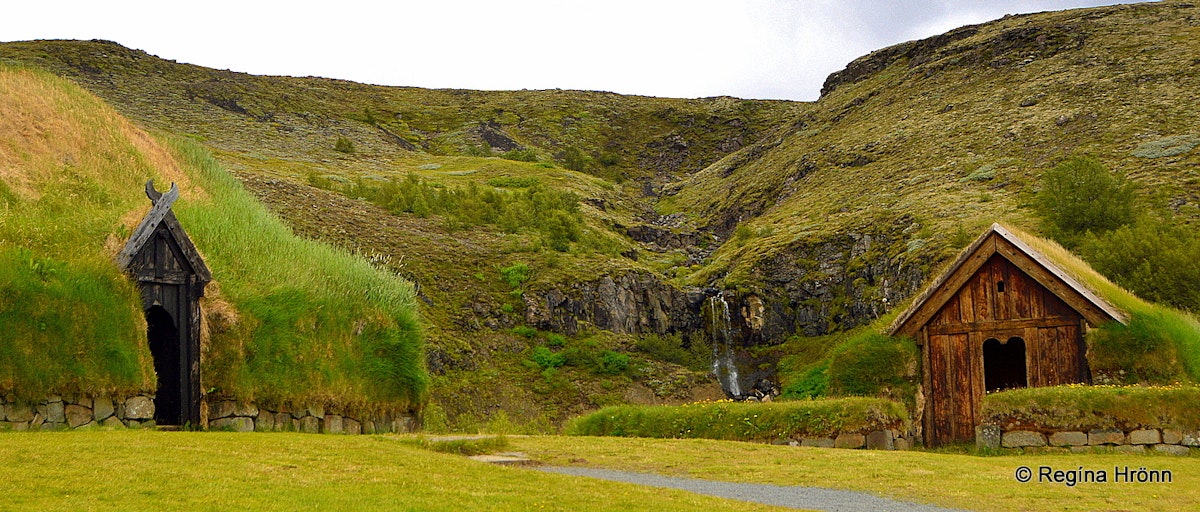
x,y
291,321
552,233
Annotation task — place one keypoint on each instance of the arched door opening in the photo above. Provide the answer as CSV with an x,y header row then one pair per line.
x,y
164,346
1004,364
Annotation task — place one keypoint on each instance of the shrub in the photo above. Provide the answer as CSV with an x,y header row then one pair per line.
x,y
520,155
516,274
1154,259
745,421
1081,195
524,330
343,145
555,340
670,349
574,159
546,358
612,363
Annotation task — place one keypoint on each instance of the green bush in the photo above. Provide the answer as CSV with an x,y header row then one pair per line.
x,y
670,349
1080,195
612,363
524,330
343,145
745,421
1154,259
1082,407
521,155
546,358
555,340
516,274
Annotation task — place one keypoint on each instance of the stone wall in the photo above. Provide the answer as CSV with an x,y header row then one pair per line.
x,y
228,414
1164,440
59,412
877,440
71,412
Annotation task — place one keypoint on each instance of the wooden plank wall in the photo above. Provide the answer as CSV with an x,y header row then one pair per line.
x,y
979,311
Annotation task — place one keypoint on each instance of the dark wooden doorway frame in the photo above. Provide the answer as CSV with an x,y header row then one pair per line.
x,y
172,276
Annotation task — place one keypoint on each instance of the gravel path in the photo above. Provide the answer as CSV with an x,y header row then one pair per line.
x,y
784,496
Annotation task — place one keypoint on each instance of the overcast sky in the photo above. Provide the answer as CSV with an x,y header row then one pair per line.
x,y
774,49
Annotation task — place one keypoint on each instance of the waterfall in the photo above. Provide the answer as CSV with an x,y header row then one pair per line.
x,y
722,339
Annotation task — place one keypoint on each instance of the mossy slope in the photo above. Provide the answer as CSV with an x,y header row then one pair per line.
x,y
288,320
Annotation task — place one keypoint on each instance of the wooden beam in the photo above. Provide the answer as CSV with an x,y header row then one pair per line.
x,y
1002,325
145,229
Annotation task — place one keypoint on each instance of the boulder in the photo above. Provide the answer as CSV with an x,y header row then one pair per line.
x,y
1171,436
1129,448
19,413
310,425
317,410
852,441
1145,436
54,412
1022,438
139,408
222,409
987,436
1106,436
78,415
881,440
333,424
265,422
352,427
102,409
233,423
1068,438
112,422
1172,449
817,442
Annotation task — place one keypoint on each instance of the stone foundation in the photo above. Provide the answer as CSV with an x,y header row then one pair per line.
x,y
1166,440
71,412
875,440
228,414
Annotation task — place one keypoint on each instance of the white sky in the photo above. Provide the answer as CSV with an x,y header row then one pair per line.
x,y
678,48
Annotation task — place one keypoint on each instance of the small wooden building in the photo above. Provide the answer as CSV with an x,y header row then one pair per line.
x,y
172,276
1002,316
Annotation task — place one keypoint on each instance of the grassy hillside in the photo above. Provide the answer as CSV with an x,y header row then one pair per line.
x,y
820,218
953,132
287,319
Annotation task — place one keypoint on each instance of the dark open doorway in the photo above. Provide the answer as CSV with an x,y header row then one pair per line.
x,y
1004,364
164,346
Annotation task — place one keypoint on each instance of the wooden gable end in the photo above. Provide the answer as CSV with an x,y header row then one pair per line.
x,y
997,244
162,259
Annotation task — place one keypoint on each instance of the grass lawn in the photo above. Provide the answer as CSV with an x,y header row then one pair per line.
x,y
949,480
146,470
